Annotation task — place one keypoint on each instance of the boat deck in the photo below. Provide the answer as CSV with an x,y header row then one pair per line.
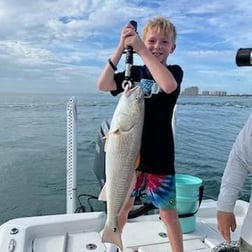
x,y
82,232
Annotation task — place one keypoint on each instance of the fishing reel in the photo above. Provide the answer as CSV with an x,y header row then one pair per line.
x,y
129,62
244,57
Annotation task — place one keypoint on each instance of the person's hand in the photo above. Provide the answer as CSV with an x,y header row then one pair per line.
x,y
134,41
226,222
129,37
127,31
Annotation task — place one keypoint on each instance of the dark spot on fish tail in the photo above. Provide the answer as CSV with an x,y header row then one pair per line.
x,y
114,229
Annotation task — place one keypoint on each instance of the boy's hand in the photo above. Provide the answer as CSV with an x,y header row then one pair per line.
x,y
127,31
134,41
129,37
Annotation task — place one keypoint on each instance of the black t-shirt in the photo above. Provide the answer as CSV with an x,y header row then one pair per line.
x,y
157,148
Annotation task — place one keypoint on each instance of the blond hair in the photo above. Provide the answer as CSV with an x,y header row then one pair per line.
x,y
163,25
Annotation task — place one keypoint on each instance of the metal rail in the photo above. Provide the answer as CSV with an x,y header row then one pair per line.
x,y
71,159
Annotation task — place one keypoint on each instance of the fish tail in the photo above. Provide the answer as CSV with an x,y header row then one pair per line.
x,y
112,237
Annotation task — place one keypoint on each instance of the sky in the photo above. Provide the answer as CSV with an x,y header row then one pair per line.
x,y
61,46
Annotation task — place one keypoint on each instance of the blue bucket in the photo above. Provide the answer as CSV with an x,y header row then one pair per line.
x,y
187,197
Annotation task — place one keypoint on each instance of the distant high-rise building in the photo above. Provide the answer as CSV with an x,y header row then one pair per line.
x,y
219,93
191,91
205,93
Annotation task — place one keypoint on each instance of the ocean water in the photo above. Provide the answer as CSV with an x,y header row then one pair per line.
x,y
33,146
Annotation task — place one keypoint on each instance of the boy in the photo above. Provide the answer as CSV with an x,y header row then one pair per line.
x,y
161,83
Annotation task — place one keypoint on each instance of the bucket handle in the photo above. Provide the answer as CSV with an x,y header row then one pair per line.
x,y
201,191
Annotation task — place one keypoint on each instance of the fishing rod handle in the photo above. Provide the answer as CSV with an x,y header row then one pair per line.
x,y
129,49
129,62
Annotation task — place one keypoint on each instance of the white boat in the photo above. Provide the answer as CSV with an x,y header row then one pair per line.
x,y
81,232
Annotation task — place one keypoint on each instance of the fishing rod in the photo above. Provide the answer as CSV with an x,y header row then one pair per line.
x,y
244,57
129,62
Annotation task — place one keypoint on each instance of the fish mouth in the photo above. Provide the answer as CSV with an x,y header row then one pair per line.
x,y
129,91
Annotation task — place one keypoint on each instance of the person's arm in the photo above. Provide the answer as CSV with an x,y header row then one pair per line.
x,y
162,76
238,166
106,80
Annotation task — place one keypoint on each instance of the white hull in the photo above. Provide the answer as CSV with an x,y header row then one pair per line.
x,y
82,232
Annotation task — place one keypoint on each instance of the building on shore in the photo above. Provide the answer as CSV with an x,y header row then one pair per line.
x,y
205,93
219,93
192,91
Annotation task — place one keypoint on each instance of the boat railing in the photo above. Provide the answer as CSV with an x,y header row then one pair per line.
x,y
71,158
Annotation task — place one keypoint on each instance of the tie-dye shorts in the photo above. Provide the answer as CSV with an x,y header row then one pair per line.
x,y
160,189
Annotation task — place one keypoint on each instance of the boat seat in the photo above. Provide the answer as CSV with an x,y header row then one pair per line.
x,y
77,242
150,233
137,234
189,246
142,235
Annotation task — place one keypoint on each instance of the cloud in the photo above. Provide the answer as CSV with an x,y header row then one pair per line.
x,y
62,45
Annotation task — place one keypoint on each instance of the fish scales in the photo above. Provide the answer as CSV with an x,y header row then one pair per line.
x,y
122,150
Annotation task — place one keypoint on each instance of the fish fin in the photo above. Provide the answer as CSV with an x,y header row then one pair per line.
x,y
137,162
115,131
106,137
112,237
111,131
105,144
103,194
